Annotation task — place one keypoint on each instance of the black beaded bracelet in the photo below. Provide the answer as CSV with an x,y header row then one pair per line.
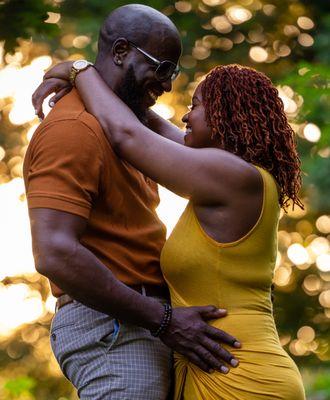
x,y
165,321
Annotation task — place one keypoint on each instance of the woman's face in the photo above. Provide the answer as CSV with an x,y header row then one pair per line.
x,y
198,133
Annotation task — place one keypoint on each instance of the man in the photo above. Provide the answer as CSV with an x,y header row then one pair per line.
x,y
97,237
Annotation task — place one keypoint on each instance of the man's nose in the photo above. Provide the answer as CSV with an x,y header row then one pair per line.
x,y
167,85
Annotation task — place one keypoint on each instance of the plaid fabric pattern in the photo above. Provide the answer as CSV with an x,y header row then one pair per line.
x,y
106,359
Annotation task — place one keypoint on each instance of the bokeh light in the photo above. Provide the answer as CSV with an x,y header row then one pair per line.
x,y
238,15
306,334
298,254
312,284
258,54
221,24
53,18
324,298
312,132
323,224
305,40
323,262
305,23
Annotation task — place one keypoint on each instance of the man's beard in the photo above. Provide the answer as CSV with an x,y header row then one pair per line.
x,y
132,94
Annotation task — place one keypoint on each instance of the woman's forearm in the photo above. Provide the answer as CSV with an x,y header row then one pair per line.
x,y
103,103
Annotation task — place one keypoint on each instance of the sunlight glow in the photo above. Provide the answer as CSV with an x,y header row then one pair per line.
x,y
2,153
25,306
20,83
170,208
164,110
16,255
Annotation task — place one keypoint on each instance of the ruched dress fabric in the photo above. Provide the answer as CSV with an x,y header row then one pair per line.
x,y
236,276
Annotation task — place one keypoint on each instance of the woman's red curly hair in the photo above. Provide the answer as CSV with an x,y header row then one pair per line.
x,y
246,115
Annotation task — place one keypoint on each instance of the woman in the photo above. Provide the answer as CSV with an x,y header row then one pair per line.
x,y
238,166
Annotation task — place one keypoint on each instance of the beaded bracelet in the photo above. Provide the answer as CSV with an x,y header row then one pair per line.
x,y
165,322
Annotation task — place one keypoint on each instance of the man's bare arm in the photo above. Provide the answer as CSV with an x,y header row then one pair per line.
x,y
61,257
78,272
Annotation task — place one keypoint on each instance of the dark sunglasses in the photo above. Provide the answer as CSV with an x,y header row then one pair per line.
x,y
165,69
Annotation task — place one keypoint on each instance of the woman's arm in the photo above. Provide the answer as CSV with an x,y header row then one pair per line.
x,y
57,80
208,176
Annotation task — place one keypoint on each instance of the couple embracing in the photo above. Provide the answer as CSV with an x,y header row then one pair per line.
x,y
131,307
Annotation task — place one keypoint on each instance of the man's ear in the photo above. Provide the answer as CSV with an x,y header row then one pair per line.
x,y
120,49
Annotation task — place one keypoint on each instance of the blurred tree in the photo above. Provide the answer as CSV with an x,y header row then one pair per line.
x,y
289,41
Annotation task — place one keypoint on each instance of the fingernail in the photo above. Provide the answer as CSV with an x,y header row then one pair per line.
x,y
51,104
224,369
237,344
222,310
234,362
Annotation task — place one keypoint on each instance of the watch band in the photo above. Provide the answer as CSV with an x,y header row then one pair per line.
x,y
78,66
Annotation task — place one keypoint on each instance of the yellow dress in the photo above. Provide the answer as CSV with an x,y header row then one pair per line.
x,y
236,276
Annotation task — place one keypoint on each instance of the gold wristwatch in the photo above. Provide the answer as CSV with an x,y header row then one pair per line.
x,y
78,66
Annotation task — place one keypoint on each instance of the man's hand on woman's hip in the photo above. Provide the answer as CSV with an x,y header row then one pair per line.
x,y
190,335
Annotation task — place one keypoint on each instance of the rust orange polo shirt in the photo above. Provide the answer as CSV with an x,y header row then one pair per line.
x,y
70,166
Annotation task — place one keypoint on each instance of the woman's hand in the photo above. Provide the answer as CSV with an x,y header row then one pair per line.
x,y
48,86
60,71
55,80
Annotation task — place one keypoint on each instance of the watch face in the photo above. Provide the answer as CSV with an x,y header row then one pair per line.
x,y
80,64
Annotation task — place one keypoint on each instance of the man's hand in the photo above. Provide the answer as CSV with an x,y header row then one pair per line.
x,y
55,80
190,335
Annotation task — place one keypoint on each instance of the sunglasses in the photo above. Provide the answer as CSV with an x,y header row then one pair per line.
x,y
165,69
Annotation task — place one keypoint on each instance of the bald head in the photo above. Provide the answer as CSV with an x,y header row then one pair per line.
x,y
135,42
139,24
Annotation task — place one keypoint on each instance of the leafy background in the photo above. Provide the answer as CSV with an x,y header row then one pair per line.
x,y
289,41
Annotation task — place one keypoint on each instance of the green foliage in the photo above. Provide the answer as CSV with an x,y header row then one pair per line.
x,y
20,385
322,383
312,82
29,21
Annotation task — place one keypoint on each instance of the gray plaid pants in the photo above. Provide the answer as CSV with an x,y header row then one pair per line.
x,y
106,359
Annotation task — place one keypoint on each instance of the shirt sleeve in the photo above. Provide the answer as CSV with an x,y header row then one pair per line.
x,y
63,168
